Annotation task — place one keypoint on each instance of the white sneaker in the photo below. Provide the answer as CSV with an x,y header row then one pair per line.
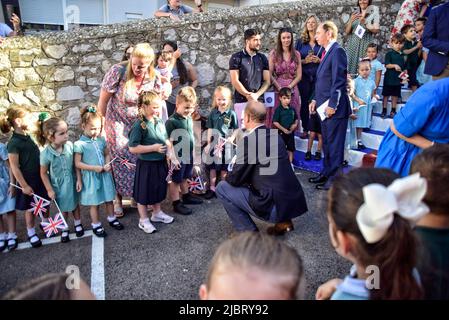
x,y
146,226
161,217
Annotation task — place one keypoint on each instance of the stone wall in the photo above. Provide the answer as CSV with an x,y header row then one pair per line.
x,y
61,71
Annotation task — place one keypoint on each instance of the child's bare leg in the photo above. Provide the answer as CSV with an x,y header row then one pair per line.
x,y
77,214
384,105
320,143
2,225
290,156
184,187
109,206
223,175
143,212
394,102
29,219
94,215
11,220
173,189
213,179
359,133
311,139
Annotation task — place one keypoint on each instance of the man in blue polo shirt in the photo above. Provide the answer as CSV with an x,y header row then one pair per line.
x,y
174,9
6,31
250,75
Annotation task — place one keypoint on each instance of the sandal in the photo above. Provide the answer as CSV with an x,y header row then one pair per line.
x,y
65,236
36,243
116,224
99,232
12,244
118,211
79,231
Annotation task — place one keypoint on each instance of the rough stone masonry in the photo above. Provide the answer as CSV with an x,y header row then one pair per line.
x,y
61,71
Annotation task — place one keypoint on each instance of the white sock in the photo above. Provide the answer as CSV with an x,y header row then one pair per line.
x,y
96,225
3,236
77,222
111,218
12,235
31,232
143,221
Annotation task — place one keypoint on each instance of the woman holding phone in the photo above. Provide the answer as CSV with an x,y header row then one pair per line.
x,y
361,28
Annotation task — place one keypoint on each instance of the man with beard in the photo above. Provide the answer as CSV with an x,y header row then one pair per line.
x,y
249,71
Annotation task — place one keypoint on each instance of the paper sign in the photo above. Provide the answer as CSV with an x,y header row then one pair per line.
x,y
360,31
322,110
269,99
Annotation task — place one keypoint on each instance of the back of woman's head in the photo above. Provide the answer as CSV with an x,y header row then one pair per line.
x,y
251,252
394,254
47,287
13,113
433,165
46,127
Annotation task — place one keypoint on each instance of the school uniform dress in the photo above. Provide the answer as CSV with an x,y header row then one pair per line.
x,y
351,288
180,130
98,188
375,66
7,203
412,63
28,153
426,113
224,123
286,117
364,90
150,185
62,175
392,82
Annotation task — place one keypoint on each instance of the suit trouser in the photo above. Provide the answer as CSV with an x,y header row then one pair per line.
x,y
306,88
334,134
443,74
236,203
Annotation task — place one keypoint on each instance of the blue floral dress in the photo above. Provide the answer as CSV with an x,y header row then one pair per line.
x,y
98,188
364,90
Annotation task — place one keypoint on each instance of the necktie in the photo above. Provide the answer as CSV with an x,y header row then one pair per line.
x,y
323,54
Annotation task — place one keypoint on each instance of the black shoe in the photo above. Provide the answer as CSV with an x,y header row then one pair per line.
x,y
35,244
99,232
345,163
189,199
3,245
360,146
280,228
322,186
65,236
209,195
12,244
392,114
317,155
180,208
318,179
79,231
116,224
384,114
308,156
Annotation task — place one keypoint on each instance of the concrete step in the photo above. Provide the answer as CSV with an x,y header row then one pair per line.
x,y
377,107
372,139
379,124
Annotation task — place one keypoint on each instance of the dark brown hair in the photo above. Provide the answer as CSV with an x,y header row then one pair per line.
x,y
398,38
406,28
373,45
254,250
48,287
291,49
13,113
46,128
395,254
433,165
180,65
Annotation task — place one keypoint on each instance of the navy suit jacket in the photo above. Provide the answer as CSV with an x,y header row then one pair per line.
x,y
331,80
436,39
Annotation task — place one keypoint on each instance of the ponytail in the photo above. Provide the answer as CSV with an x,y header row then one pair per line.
x,y
46,127
13,113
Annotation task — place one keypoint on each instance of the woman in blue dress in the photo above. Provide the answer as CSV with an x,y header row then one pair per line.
x,y
7,203
423,121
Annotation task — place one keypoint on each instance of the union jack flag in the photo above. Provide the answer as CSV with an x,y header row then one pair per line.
x,y
170,172
126,163
196,184
218,149
52,226
38,205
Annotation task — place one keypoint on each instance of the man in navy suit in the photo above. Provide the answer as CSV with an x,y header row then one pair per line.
x,y
436,39
331,87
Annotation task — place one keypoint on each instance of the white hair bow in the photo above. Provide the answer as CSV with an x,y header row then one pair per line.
x,y
403,197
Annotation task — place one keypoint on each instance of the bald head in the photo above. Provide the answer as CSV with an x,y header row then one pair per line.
x,y
256,112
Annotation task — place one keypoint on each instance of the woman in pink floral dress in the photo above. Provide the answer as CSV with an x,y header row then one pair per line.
x,y
120,91
408,13
285,70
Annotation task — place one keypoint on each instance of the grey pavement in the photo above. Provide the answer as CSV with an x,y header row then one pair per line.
x,y
172,263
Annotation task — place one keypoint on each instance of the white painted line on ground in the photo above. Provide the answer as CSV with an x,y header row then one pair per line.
x,y
27,245
97,276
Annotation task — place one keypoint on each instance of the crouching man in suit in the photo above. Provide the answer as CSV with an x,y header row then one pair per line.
x,y
331,86
262,183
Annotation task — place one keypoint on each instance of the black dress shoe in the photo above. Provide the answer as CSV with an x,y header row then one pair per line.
x,y
322,186
280,228
318,179
190,199
210,194
180,208
308,156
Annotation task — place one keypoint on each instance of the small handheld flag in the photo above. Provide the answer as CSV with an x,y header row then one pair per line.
x,y
196,184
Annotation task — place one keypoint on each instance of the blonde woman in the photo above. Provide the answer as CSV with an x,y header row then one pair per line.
x,y
119,96
311,53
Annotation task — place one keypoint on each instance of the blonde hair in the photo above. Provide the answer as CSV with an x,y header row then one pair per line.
x,y
143,51
13,113
186,94
146,98
305,37
253,250
89,113
330,26
225,91
47,128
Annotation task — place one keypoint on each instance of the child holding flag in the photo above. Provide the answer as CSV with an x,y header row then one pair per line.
x,y
24,160
57,170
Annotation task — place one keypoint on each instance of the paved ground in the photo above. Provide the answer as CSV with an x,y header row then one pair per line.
x,y
171,263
